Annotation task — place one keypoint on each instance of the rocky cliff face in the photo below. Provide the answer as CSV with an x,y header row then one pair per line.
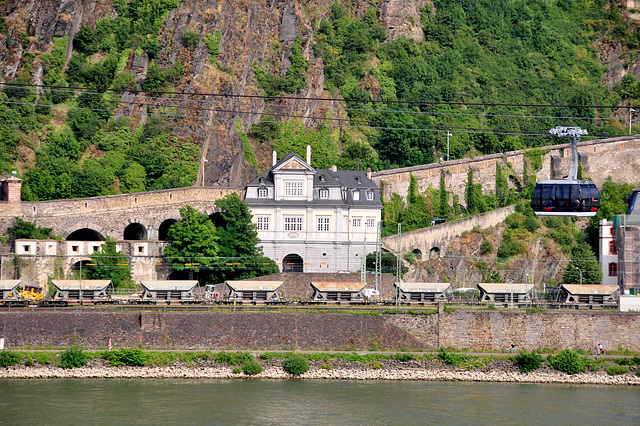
x,y
216,100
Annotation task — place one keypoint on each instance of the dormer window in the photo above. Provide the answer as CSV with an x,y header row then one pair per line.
x,y
356,195
322,178
358,180
324,194
262,192
370,195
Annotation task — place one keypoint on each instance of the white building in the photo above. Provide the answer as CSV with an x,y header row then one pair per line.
x,y
312,220
608,254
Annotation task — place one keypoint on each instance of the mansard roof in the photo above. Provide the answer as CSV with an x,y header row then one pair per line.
x,y
348,180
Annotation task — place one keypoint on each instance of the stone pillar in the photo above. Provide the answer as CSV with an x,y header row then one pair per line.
x,y
12,188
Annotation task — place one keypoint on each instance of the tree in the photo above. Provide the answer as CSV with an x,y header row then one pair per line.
x,y
445,209
240,256
416,214
193,241
473,195
238,235
502,187
583,266
110,264
25,229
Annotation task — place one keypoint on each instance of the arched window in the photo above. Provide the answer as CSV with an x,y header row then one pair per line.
x,y
612,247
613,269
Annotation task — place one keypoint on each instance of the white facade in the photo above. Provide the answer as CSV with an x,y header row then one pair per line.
x,y
608,254
314,220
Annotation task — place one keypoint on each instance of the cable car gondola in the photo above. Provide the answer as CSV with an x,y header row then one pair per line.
x,y
571,197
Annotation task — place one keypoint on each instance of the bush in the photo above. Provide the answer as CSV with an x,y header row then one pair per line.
x,y
73,357
567,361
450,358
296,365
615,369
131,357
486,247
190,39
527,362
9,358
252,367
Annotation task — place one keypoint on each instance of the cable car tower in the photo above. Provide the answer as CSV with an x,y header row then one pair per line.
x,y
570,196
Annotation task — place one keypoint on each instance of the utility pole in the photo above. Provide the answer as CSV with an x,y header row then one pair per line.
x,y
398,264
630,111
448,134
378,281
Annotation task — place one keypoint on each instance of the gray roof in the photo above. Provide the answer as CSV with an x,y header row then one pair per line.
x,y
182,285
349,180
505,287
81,284
254,285
423,287
9,284
338,285
590,288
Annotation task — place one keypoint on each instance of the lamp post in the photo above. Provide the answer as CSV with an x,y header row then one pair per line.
x,y
580,270
450,134
630,111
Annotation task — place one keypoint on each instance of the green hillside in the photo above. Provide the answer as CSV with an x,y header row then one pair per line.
x,y
495,74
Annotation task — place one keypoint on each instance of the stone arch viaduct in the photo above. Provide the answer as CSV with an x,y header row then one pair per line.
x,y
138,216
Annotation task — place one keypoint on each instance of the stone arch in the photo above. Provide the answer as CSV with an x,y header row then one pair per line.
x,y
292,263
418,253
217,219
81,265
135,231
85,234
434,252
163,229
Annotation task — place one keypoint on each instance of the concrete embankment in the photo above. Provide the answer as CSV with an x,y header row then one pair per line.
x,y
271,373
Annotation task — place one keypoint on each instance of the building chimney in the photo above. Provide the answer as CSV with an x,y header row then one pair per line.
x,y
334,168
12,189
309,154
368,172
275,158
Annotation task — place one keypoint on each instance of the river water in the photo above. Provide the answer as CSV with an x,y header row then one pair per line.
x,y
298,402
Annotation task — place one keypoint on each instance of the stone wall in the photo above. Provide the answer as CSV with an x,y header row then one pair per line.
x,y
615,157
433,241
110,215
463,329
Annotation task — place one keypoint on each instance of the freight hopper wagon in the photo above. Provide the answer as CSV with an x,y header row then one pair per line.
x,y
506,294
338,292
80,292
9,293
421,293
169,292
590,296
254,291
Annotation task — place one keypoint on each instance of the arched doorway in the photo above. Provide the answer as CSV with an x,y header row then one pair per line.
x,y
135,231
418,254
164,229
81,269
292,263
85,234
434,252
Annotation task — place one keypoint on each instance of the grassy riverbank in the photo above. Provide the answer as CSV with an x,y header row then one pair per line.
x,y
563,367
